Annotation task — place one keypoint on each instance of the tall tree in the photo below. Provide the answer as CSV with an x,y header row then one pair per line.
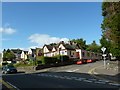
x,y
8,55
93,47
111,25
80,42
105,43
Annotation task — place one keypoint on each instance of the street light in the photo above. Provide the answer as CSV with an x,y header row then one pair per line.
x,y
103,49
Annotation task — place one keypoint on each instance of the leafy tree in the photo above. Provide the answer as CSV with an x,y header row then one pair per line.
x,y
106,43
111,25
93,47
8,55
80,42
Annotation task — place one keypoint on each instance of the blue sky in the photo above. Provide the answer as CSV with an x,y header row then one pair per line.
x,y
33,24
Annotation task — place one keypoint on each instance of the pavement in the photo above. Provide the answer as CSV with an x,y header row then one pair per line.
x,y
105,74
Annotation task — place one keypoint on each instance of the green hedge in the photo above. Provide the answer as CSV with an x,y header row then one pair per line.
x,y
52,60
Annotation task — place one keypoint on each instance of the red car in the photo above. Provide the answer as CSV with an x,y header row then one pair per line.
x,y
91,60
79,62
83,61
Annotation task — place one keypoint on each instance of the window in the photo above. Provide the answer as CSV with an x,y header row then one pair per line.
x,y
83,54
70,52
88,54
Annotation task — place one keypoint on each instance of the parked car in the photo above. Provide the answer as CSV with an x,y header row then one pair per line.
x,y
90,60
82,61
9,69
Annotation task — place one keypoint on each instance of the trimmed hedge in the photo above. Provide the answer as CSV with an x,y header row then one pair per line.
x,y
52,60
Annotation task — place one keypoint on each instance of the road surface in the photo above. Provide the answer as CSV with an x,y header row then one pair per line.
x,y
71,76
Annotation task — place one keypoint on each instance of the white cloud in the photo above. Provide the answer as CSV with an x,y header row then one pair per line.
x,y
42,39
7,30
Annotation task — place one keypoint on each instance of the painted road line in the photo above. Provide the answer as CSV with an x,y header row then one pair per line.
x,y
69,71
6,84
114,84
92,79
69,78
12,85
74,77
61,77
87,81
100,82
103,81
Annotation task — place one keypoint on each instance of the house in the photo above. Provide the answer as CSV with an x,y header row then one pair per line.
x,y
32,53
73,50
61,49
20,54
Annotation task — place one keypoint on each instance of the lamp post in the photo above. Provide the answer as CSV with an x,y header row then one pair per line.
x,y
103,49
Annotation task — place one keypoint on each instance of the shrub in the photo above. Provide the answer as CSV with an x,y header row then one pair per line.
x,y
17,64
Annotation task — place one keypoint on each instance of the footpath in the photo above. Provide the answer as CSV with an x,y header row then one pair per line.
x,y
106,74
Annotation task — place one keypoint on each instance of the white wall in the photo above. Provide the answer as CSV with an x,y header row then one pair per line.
x,y
61,46
22,55
29,51
73,54
45,49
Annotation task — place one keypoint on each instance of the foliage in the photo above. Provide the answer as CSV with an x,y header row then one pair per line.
x,y
52,60
80,42
93,47
111,25
8,55
105,43
27,59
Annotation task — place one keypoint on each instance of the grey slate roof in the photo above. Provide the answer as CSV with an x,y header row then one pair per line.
x,y
16,51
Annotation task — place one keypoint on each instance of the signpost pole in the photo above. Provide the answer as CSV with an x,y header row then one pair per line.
x,y
103,49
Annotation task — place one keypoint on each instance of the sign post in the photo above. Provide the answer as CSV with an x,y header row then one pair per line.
x,y
103,49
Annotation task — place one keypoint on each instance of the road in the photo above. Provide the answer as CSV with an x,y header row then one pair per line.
x,y
71,76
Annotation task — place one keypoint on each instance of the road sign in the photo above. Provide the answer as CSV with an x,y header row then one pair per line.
x,y
103,49
104,55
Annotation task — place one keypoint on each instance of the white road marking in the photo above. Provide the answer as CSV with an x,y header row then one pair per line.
x,y
69,71
78,79
93,79
74,77
100,82
62,77
87,81
103,81
114,84
69,78
12,85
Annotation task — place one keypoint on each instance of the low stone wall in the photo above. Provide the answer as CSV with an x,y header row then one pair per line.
x,y
113,65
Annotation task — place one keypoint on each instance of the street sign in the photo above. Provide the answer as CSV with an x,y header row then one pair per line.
x,y
103,49
104,55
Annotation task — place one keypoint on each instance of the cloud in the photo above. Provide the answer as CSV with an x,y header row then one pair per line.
x,y
7,30
42,39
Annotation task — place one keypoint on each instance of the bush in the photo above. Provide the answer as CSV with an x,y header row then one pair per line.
x,y
17,64
27,59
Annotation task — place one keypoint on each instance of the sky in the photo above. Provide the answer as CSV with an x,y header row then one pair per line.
x,y
33,24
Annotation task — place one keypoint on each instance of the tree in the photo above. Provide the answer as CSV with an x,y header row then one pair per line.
x,y
8,55
105,43
111,25
93,47
80,42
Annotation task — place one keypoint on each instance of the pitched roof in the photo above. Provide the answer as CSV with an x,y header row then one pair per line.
x,y
33,51
69,47
25,52
17,51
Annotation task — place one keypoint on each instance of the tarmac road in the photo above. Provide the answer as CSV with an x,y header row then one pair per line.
x,y
72,76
